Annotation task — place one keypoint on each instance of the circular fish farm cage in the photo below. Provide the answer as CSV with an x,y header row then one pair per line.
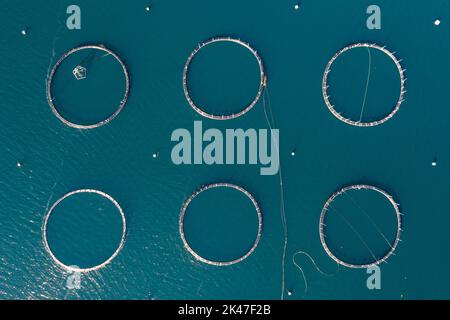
x,y
392,246
182,231
80,73
262,81
108,260
338,114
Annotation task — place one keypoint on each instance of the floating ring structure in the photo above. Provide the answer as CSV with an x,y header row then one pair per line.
x,y
183,212
107,261
325,210
262,82
102,122
325,86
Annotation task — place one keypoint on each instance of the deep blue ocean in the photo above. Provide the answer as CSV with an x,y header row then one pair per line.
x,y
41,158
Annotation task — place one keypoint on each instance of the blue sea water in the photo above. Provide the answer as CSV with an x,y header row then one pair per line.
x,y
295,46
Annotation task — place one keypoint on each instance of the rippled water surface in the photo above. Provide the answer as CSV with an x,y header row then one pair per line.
x,y
42,159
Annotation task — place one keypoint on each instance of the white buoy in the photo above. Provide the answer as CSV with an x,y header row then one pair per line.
x,y
293,153
434,163
155,155
19,165
437,22
289,292
147,8
24,32
296,7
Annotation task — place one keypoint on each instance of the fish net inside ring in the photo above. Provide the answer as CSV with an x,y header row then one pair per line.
x,y
360,226
223,78
220,224
364,85
84,230
87,87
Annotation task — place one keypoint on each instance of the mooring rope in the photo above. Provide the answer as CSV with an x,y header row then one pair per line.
x,y
315,266
280,175
367,84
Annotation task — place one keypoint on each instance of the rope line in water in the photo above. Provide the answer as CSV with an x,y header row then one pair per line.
x,y
282,202
360,237
367,84
315,266
370,219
